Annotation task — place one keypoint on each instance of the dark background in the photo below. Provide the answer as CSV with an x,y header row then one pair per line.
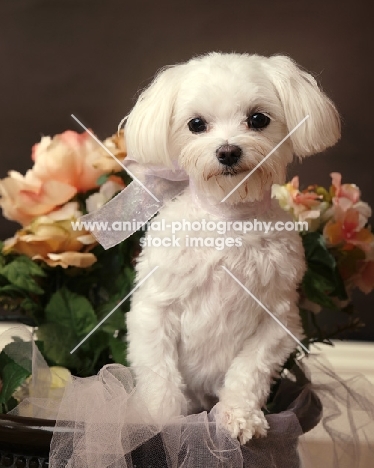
x,y
91,57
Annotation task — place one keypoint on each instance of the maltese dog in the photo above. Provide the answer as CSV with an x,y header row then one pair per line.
x,y
199,321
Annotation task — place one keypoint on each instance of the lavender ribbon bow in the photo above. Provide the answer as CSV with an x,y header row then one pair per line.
x,y
136,204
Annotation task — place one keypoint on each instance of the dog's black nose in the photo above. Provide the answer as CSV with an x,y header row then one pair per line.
x,y
228,154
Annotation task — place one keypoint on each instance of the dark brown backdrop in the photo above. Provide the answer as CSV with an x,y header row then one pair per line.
x,y
89,57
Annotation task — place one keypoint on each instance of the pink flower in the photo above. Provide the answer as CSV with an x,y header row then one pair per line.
x,y
347,196
23,198
305,206
349,216
68,158
349,192
307,199
347,229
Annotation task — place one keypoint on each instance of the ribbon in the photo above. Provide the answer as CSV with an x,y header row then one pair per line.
x,y
128,211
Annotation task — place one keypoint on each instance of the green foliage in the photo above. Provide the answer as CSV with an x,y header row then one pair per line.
x,y
58,340
323,285
322,281
66,304
13,374
71,311
102,179
118,350
19,274
21,282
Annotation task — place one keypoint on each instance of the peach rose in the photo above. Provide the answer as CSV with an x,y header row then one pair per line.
x,y
117,146
23,198
68,158
52,239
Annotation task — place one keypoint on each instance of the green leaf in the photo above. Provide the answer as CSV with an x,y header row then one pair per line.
x,y
18,351
40,345
96,344
129,278
13,374
11,290
116,321
325,194
316,288
72,311
30,306
102,179
9,405
316,250
27,266
322,280
21,272
118,350
58,341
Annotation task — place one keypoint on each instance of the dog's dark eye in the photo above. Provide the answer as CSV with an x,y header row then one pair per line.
x,y
258,121
197,125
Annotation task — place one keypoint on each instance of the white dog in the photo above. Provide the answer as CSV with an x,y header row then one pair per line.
x,y
217,117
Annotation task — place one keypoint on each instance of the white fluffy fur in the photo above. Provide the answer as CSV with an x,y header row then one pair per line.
x,y
190,321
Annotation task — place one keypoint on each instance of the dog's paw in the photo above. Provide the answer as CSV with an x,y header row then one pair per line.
x,y
243,424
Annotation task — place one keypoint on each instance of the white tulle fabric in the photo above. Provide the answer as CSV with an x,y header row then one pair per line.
x,y
102,422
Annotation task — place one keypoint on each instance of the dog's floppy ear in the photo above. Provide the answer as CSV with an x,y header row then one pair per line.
x,y
300,96
148,124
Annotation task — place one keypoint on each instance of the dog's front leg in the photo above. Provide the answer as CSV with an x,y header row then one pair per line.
x,y
153,332
248,380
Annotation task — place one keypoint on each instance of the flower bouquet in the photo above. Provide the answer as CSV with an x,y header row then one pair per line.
x,y
54,276
339,251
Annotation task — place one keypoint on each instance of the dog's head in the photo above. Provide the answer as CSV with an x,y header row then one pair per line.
x,y
220,115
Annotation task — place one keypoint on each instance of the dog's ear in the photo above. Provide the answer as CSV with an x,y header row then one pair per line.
x,y
300,96
148,124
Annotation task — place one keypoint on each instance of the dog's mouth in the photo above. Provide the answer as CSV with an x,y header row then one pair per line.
x,y
234,170
227,172
230,171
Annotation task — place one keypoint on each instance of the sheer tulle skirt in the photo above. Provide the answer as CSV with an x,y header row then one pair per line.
x,y
101,421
